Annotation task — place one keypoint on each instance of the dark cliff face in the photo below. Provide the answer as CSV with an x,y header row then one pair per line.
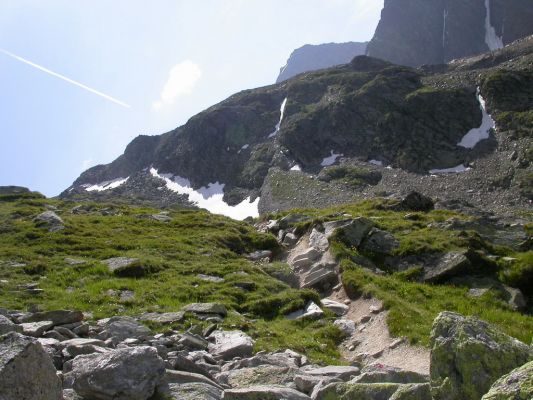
x,y
418,32
313,57
369,109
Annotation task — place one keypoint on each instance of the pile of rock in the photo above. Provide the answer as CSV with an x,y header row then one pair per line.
x,y
121,359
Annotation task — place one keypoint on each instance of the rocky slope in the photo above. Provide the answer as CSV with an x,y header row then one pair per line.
x,y
110,301
418,32
368,115
313,57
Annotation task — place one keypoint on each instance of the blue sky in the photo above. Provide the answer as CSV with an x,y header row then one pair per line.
x,y
167,60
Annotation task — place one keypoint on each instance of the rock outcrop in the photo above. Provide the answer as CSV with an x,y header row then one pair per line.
x,y
418,32
313,57
469,355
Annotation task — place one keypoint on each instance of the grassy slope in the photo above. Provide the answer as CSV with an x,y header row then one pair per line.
x,y
194,242
412,305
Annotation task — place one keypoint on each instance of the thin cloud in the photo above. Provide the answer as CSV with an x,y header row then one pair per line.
x,y
81,85
181,81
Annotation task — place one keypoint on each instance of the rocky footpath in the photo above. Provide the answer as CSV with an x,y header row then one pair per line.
x,y
59,355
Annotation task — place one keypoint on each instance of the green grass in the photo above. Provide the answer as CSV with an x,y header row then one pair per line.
x,y
413,306
171,255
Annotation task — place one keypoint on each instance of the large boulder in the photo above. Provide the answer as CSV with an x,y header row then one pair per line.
x,y
351,232
230,344
26,370
206,309
449,265
379,242
415,201
469,355
49,220
122,374
516,385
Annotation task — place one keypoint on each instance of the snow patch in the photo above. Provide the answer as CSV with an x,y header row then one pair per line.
x,y
376,162
282,112
453,170
330,160
243,148
210,197
296,168
100,187
474,136
493,41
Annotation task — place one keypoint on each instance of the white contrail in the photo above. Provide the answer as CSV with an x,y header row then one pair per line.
x,y
105,96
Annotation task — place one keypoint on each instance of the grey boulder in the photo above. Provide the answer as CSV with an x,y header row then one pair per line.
x,y
26,370
469,355
121,328
122,374
49,220
6,326
230,344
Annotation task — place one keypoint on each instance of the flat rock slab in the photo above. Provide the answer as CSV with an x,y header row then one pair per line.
x,y
231,344
57,317
311,311
334,306
335,371
36,329
162,318
119,262
206,308
264,393
26,370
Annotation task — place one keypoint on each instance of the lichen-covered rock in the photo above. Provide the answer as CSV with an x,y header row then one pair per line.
x,y
416,391
122,374
191,391
469,355
356,391
516,385
26,370
261,375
